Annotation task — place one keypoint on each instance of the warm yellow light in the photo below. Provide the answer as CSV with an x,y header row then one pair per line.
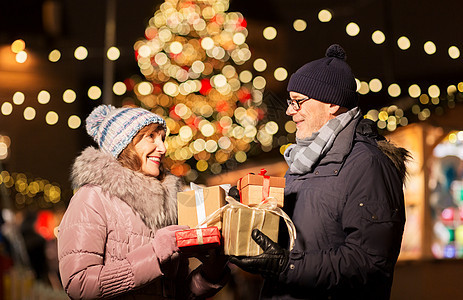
x,y
373,115
94,92
219,81
21,57
18,98
454,52
280,74
245,76
403,42
198,67
207,43
145,88
81,53
7,108
260,65
113,53
271,127
394,90
241,156
207,130
18,46
430,47
3,152
299,25
352,29
424,99
290,126
211,146
144,51
269,33
259,82
224,142
378,37
383,115
202,165
119,88
176,47
434,91
375,85
170,89
74,122
43,97
364,88
324,16
414,91
239,38
51,118
69,96
29,113
451,89
54,56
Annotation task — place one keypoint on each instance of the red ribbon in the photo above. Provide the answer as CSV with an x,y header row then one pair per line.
x,y
265,184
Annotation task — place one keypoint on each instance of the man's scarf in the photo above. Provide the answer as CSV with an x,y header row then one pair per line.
x,y
302,156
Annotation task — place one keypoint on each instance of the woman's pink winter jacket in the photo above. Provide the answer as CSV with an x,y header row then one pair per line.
x,y
105,239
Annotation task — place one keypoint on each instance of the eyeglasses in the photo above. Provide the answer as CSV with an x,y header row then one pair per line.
x,y
296,103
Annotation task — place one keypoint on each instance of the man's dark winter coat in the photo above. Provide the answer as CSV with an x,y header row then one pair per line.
x,y
349,216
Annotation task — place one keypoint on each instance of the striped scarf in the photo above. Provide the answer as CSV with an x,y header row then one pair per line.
x,y
302,156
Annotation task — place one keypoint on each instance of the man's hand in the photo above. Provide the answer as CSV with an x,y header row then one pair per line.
x,y
270,263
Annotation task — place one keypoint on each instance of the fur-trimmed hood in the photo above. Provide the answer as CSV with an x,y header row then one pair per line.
x,y
398,155
154,200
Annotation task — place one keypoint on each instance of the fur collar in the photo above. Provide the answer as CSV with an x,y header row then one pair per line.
x,y
155,201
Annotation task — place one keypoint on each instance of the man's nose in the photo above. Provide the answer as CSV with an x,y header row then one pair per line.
x,y
290,110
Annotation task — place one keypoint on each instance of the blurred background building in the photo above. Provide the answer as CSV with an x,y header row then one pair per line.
x,y
217,71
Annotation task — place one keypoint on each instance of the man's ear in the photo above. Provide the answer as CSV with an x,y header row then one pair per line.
x,y
335,109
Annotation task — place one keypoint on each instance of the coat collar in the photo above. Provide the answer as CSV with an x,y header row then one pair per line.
x,y
154,200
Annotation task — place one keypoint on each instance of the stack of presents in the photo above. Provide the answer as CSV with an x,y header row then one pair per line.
x,y
216,218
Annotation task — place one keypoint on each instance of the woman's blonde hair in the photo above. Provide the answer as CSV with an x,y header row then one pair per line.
x,y
129,157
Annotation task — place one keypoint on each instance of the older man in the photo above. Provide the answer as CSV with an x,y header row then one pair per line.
x,y
343,192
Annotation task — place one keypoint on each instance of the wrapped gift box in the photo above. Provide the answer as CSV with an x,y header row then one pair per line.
x,y
196,205
197,240
238,223
255,188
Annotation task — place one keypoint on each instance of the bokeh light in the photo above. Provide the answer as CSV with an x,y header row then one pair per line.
x,y
270,33
299,25
324,16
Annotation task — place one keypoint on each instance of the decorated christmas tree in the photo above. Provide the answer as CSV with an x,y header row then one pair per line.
x,y
190,57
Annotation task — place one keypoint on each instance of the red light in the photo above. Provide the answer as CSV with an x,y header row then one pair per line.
x,y
205,86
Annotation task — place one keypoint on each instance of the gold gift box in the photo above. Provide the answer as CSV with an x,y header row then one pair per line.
x,y
251,187
187,206
238,223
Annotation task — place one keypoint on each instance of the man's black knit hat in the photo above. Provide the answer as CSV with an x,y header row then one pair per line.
x,y
328,79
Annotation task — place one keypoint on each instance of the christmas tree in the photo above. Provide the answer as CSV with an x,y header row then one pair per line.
x,y
190,58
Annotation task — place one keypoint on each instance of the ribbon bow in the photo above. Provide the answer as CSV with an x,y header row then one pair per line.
x,y
269,205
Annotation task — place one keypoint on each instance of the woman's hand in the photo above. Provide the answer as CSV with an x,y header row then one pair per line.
x,y
165,244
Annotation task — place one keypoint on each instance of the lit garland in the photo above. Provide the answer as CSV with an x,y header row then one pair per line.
x,y
27,191
212,116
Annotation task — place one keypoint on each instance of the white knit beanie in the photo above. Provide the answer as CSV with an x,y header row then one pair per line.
x,y
114,128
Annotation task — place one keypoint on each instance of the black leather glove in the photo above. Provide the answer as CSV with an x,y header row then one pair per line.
x,y
270,263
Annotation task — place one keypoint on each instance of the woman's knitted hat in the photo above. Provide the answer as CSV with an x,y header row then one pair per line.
x,y
327,79
114,128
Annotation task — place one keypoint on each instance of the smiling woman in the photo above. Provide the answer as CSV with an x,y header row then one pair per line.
x,y
120,223
146,151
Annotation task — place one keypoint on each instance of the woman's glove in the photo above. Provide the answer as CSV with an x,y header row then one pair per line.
x,y
270,263
164,243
